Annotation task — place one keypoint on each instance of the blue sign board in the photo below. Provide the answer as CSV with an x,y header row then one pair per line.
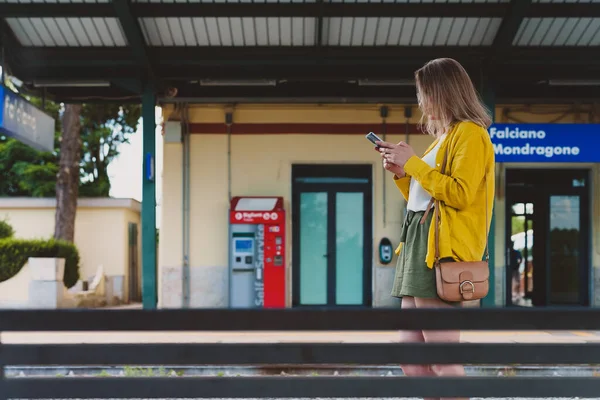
x,y
150,167
546,142
21,120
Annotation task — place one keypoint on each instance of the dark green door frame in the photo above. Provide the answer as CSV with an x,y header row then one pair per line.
x,y
149,284
489,98
538,186
331,180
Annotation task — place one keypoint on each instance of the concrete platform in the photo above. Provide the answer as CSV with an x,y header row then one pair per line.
x,y
287,337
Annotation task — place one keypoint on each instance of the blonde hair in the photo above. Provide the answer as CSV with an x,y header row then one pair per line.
x,y
446,96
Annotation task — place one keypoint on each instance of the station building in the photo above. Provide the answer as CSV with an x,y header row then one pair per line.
x,y
271,195
341,206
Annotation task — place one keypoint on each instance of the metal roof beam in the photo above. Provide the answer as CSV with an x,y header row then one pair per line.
x,y
210,55
333,93
74,74
307,91
354,71
320,24
564,10
133,33
351,70
88,94
328,9
509,27
299,53
410,56
76,56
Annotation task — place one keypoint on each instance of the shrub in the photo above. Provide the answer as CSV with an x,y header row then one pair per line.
x,y
6,230
14,254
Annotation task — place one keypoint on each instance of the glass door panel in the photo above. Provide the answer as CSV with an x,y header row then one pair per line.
x,y
564,245
349,248
313,248
520,253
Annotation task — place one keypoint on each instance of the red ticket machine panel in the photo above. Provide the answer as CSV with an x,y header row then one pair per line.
x,y
257,256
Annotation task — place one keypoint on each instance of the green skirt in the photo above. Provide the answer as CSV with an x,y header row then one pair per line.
x,y
413,277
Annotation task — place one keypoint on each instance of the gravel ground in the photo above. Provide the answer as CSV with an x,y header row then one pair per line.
x,y
382,371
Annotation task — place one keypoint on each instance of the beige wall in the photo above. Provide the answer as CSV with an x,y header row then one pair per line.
x,y
101,234
261,165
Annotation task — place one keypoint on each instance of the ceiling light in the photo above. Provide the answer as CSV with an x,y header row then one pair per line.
x,y
258,82
377,82
573,82
71,84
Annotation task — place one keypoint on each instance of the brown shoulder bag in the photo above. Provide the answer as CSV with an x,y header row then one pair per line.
x,y
459,280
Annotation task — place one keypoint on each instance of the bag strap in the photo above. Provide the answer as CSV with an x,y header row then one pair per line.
x,y
432,200
436,216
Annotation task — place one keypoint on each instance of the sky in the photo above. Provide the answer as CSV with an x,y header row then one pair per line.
x,y
125,171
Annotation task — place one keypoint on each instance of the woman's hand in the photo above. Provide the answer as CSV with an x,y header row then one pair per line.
x,y
396,169
397,154
389,166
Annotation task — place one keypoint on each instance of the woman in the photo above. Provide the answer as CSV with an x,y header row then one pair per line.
x,y
455,116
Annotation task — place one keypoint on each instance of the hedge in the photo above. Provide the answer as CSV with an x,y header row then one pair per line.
x,y
14,254
6,231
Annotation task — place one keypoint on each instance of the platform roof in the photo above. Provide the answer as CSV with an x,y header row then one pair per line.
x,y
299,50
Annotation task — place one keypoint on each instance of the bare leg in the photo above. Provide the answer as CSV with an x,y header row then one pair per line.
x,y
411,337
441,337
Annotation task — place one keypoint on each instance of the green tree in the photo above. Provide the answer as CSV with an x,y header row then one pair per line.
x,y
30,173
25,171
104,128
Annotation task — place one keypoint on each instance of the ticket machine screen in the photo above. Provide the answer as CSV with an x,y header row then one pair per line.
x,y
243,253
244,246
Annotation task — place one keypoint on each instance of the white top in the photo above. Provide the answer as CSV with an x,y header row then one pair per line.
x,y
418,198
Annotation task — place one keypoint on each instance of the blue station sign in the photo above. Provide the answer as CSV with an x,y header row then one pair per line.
x,y
546,142
23,121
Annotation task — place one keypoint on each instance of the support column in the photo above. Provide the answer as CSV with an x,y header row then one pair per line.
x,y
490,300
149,282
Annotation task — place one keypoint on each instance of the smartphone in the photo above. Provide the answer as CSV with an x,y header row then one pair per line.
x,y
373,138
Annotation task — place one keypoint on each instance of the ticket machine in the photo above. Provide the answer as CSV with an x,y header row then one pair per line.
x,y
257,252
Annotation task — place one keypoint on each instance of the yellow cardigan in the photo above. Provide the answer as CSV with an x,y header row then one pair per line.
x,y
461,191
